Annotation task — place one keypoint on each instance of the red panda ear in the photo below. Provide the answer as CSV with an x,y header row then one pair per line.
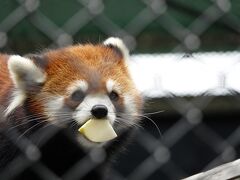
x,y
25,73
38,59
119,45
26,77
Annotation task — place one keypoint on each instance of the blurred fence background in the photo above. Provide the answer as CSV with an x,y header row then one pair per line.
x,y
198,131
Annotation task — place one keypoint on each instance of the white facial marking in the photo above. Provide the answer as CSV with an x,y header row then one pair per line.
x,y
52,107
83,111
130,105
109,85
112,85
80,84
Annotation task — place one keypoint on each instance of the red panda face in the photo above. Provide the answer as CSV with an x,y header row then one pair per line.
x,y
77,83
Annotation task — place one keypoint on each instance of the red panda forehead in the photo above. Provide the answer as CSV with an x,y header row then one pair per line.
x,y
93,64
92,55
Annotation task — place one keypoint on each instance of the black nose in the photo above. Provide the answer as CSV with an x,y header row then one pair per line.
x,y
99,111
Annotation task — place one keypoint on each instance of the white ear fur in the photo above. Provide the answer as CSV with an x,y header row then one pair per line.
x,y
117,42
24,72
25,75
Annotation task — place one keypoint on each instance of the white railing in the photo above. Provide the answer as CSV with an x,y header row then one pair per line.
x,y
161,75
226,171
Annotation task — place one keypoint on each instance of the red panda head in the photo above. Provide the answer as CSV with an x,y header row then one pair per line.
x,y
75,83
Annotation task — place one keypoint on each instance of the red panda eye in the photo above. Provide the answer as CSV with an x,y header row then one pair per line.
x,y
114,96
77,95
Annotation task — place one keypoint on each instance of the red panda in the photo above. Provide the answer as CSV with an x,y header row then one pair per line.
x,y
65,85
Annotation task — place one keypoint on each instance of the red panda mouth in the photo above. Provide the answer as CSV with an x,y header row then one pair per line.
x,y
94,131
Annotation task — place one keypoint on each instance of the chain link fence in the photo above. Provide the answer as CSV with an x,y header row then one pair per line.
x,y
196,132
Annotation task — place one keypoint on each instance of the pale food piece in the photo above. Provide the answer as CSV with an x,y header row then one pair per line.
x,y
98,130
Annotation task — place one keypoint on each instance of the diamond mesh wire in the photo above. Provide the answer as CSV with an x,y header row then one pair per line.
x,y
197,133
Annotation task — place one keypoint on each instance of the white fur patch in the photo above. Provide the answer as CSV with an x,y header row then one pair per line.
x,y
80,84
117,42
112,85
52,107
83,111
109,85
130,105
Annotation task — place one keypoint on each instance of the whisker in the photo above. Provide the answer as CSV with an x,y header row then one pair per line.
x,y
151,113
50,123
148,118
35,119
25,132
24,123
37,115
159,131
126,123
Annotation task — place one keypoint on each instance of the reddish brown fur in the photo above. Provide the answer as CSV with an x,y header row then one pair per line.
x,y
82,62
94,63
5,81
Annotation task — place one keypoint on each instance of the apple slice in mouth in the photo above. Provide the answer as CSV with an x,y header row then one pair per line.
x,y
98,130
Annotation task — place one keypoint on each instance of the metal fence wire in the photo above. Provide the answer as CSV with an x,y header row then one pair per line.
x,y
197,132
